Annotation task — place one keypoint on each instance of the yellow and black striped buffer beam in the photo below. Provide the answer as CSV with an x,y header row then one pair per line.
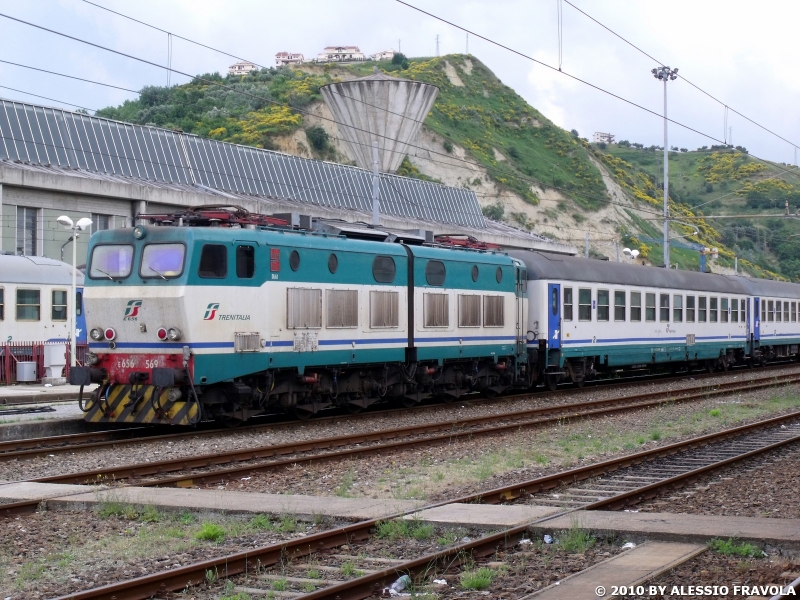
x,y
136,404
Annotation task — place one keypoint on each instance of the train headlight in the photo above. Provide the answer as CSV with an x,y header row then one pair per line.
x,y
174,334
110,334
139,232
162,334
91,359
96,334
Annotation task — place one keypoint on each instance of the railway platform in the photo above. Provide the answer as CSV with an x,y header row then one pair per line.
x,y
31,393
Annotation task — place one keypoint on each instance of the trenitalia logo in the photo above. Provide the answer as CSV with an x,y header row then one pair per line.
x,y
132,310
211,311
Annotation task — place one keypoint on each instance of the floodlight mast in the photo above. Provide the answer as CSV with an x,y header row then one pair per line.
x,y
666,74
81,225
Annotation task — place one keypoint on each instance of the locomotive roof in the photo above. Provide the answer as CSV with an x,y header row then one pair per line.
x,y
36,270
542,265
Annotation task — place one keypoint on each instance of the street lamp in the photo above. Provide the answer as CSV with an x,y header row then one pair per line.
x,y
81,225
666,74
631,254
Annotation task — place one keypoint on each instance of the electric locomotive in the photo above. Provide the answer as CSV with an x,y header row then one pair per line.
x,y
219,314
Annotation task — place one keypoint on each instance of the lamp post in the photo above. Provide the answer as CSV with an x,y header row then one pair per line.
x,y
666,74
74,227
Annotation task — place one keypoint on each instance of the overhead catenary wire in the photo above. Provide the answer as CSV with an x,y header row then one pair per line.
x,y
108,85
5,87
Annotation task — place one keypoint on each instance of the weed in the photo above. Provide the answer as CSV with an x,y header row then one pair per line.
x,y
261,522
317,519
151,514
655,435
210,532
576,540
641,440
187,518
288,524
344,487
731,547
228,594
715,412
211,576
392,530
120,510
30,571
312,574
280,585
479,579
348,569
421,531
449,537
309,587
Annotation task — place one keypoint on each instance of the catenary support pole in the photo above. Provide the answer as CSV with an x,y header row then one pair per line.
x,y
666,182
376,208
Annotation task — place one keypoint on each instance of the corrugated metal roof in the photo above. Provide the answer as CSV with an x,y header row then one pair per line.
x,y
46,136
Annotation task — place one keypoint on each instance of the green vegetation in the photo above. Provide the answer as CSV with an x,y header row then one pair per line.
x,y
479,579
731,547
210,532
399,529
575,540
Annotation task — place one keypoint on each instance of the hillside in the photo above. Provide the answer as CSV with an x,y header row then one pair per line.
x,y
525,170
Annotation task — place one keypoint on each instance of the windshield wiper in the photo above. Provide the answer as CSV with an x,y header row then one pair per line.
x,y
103,272
157,273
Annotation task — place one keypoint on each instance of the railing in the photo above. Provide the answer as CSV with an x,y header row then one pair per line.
x,y
13,353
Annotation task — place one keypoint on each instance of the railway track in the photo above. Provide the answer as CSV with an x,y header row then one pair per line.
x,y
667,468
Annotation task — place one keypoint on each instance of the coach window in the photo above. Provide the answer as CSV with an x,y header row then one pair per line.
x,y
567,316
78,304
213,262
778,311
664,305
771,310
742,311
701,309
554,299
650,307
619,305
690,300
435,272
2,305
58,306
584,304
713,305
794,308
786,311
734,310
602,305
636,306
723,310
383,269
677,308
245,262
28,305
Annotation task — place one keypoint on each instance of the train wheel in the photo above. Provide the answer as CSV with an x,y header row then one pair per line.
x,y
354,409
301,414
230,422
551,381
408,402
580,383
711,365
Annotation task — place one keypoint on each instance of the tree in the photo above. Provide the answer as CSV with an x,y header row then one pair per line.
x,y
575,133
399,59
624,143
494,212
317,137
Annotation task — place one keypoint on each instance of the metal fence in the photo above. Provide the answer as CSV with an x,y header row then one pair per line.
x,y
14,353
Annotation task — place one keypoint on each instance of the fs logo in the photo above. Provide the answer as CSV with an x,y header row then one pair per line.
x,y
132,310
211,311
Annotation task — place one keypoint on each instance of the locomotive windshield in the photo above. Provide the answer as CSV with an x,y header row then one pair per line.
x,y
162,260
112,261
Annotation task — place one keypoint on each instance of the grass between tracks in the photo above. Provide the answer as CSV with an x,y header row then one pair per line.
x,y
569,443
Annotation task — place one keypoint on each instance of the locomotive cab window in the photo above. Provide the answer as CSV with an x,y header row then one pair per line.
x,y
712,310
619,305
636,306
664,312
723,310
162,261
650,307
567,314
690,308
602,305
2,305
584,304
28,305
435,272
383,269
245,262
58,305
702,309
213,262
111,261
677,308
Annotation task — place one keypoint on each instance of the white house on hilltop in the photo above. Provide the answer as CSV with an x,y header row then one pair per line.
x,y
288,58
242,68
383,55
606,138
341,54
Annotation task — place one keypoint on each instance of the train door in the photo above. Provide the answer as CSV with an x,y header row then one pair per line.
x,y
521,292
747,327
80,318
756,319
554,316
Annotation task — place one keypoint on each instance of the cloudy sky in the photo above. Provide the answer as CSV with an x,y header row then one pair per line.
x,y
742,53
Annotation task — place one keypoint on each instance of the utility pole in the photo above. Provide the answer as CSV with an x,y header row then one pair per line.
x,y
437,44
666,74
376,207
587,244
467,44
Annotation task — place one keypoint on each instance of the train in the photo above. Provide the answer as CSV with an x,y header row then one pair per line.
x,y
218,314
35,300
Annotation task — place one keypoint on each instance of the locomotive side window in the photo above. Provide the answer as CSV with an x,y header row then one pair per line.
x,y
650,307
664,312
436,309
58,310
383,269
474,272
435,272
162,260
619,305
111,261
584,304
701,309
245,262
723,310
493,311
384,309
333,263
677,308
2,305
786,311
636,306
304,308
567,314
712,310
294,260
28,305
213,262
499,275
690,300
735,311
602,305
469,310
342,308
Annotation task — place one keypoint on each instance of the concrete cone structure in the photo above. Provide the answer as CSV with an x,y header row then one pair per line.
x,y
383,108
